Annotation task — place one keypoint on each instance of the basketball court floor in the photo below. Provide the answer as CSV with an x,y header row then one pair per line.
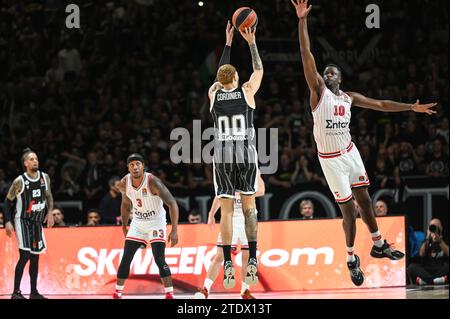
x,y
426,292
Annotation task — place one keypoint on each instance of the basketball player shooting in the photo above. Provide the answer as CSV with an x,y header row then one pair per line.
x,y
339,158
143,195
33,195
235,158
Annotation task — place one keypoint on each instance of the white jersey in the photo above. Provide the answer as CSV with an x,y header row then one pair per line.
x,y
332,123
146,206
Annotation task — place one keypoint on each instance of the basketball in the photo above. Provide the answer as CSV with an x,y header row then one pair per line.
x,y
245,17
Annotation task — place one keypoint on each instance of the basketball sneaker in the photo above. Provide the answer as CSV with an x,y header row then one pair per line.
x,y
420,282
228,275
202,293
386,251
247,295
356,274
36,295
17,295
117,295
169,295
251,277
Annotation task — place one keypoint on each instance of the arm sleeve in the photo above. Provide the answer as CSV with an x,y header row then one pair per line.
x,y
8,210
225,58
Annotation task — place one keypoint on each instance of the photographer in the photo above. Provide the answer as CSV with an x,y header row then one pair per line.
x,y
434,252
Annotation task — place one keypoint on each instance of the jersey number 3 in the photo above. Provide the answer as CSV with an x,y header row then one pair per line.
x,y
139,202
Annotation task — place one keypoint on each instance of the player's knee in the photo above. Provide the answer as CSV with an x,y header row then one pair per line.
x,y
218,258
164,270
123,271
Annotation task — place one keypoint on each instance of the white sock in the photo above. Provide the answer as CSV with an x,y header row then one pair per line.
x,y
244,287
377,240
208,283
168,290
439,280
350,255
119,289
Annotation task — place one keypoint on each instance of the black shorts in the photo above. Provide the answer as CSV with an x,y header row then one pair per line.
x,y
237,175
30,235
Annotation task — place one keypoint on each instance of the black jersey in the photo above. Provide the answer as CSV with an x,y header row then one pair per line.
x,y
233,116
31,203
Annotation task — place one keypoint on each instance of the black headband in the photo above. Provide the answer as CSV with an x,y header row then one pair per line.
x,y
135,157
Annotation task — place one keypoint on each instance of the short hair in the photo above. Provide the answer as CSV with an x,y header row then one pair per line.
x,y
225,74
93,210
333,66
59,208
306,202
27,151
135,157
113,180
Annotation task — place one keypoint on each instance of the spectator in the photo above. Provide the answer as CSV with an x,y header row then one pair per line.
x,y
302,173
199,176
283,177
438,161
381,208
110,203
68,187
4,184
307,209
93,217
58,216
92,180
434,253
194,217
2,220
69,61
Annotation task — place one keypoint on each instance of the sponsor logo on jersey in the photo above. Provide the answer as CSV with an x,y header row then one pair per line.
x,y
337,194
144,192
145,215
337,125
35,207
42,182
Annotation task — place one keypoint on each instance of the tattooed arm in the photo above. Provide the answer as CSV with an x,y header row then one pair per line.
x,y
125,207
13,191
256,78
49,201
158,188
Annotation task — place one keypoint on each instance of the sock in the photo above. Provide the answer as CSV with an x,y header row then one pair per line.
x,y
420,281
244,287
440,280
252,249
376,237
208,283
168,290
226,252
119,289
350,254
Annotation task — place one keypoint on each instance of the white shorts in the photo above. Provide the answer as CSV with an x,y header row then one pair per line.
x,y
239,235
147,232
343,173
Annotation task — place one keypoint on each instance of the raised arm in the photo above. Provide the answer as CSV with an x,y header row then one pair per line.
x,y
49,202
315,81
226,53
389,106
252,86
13,191
161,190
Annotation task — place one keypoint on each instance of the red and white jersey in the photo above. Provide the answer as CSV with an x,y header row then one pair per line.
x,y
332,123
147,207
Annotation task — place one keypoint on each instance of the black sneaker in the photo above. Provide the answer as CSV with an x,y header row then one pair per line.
x,y
17,295
386,251
36,295
228,275
251,277
356,273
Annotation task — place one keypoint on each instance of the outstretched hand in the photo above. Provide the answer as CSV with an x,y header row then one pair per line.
x,y
423,108
301,7
229,32
249,35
